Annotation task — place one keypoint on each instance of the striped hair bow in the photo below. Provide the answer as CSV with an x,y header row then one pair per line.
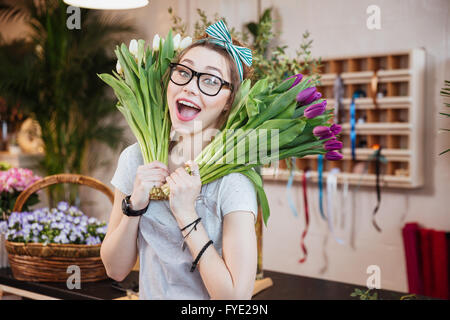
x,y
220,35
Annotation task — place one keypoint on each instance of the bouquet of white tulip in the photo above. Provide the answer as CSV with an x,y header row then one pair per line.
x,y
140,88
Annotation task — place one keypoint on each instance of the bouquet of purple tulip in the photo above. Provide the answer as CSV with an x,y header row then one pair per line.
x,y
63,224
269,123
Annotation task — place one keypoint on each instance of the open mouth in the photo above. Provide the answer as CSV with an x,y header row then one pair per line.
x,y
186,110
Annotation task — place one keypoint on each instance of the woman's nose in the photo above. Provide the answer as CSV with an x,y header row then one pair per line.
x,y
191,86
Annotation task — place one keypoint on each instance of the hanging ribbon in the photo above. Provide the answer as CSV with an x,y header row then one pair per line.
x,y
356,94
344,200
338,91
289,187
305,202
320,182
331,193
377,174
347,219
352,127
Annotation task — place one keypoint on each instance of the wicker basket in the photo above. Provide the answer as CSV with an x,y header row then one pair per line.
x,y
39,262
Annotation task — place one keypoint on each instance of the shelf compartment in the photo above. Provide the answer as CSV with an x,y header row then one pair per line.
x,y
378,128
395,122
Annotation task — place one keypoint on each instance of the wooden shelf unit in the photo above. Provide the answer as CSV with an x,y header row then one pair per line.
x,y
395,122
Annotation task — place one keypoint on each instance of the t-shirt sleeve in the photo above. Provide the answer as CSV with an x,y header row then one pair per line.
x,y
237,193
122,178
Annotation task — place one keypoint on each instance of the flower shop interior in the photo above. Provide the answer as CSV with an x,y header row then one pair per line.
x,y
373,223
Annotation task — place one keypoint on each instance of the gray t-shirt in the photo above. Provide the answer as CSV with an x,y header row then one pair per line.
x,y
164,266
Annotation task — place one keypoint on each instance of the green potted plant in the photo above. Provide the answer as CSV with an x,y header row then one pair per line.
x,y
52,76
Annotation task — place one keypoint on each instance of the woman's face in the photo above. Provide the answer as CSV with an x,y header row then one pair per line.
x,y
208,108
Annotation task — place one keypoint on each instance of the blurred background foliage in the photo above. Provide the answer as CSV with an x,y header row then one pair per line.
x,y
51,75
269,60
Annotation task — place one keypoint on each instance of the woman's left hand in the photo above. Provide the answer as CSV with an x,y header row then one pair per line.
x,y
184,190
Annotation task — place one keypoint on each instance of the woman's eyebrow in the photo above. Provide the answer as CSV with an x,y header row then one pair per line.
x,y
208,67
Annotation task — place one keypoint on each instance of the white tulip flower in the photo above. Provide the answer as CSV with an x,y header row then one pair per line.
x,y
156,42
186,42
176,42
133,48
119,67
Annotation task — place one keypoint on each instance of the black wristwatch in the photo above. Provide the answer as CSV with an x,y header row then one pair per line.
x,y
127,210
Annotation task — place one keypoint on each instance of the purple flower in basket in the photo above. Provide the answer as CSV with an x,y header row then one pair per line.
x,y
93,240
92,220
102,230
63,206
55,225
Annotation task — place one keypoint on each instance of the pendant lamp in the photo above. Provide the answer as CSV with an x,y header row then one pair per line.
x,y
107,4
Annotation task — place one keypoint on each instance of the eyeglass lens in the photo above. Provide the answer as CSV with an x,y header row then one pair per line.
x,y
208,84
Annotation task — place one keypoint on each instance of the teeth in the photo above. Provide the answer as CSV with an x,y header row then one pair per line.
x,y
188,104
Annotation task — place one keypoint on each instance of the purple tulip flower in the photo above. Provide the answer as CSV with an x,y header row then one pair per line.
x,y
312,98
331,145
315,110
320,131
298,77
305,94
335,129
333,155
328,136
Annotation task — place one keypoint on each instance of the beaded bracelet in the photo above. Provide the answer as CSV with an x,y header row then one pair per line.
x,y
194,264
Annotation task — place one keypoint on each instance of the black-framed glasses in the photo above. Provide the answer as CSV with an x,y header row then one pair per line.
x,y
208,84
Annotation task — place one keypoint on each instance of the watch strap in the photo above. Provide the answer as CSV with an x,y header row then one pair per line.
x,y
126,208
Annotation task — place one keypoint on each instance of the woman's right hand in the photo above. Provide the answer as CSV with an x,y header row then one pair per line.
x,y
148,176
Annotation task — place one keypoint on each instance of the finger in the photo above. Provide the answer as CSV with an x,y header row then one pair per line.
x,y
182,172
157,164
152,170
155,180
192,165
172,185
195,172
158,174
183,177
159,171
151,184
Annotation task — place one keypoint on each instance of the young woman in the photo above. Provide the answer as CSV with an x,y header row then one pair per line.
x,y
203,83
